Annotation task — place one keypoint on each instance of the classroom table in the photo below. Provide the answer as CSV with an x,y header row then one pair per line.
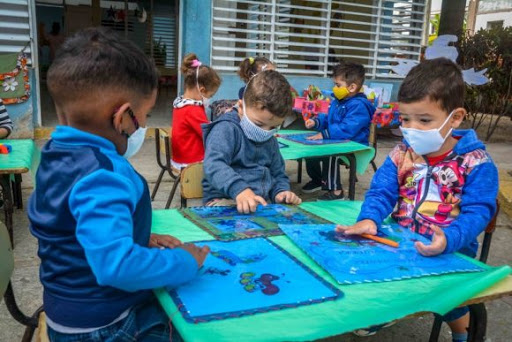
x,y
22,159
362,305
356,156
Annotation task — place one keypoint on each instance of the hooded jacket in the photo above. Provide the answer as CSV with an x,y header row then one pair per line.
x,y
457,194
234,163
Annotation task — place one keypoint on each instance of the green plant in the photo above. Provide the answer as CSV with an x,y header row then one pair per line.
x,y
159,52
488,104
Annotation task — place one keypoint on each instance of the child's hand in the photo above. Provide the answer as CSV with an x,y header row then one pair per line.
x,y
437,246
317,136
162,241
199,253
310,123
247,201
288,197
361,227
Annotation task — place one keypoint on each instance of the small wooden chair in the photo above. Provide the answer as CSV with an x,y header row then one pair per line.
x,y
190,178
372,140
163,150
475,333
6,269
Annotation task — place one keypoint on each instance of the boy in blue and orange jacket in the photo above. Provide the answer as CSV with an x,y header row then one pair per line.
x,y
439,182
349,118
91,211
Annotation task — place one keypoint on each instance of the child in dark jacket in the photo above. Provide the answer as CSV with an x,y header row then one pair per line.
x,y
349,118
91,211
439,182
242,159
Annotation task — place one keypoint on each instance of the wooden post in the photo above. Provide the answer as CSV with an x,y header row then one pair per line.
x,y
452,17
472,12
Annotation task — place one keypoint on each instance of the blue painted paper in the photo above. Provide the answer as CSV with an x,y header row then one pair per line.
x,y
302,139
281,145
352,259
246,277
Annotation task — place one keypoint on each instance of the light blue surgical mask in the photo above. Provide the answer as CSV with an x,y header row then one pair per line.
x,y
254,132
136,139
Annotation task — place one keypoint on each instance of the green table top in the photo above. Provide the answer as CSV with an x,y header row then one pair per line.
x,y
295,150
24,156
362,305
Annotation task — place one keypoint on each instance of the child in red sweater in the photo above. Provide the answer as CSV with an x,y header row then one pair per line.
x,y
201,83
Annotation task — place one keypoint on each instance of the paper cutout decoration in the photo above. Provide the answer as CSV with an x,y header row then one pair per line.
x,y
440,48
226,223
247,277
14,78
353,259
302,139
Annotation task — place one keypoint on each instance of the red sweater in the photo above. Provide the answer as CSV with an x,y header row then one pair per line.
x,y
187,135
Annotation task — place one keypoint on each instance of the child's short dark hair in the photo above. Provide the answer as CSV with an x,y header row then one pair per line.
x,y
351,72
269,90
439,80
251,66
208,77
99,59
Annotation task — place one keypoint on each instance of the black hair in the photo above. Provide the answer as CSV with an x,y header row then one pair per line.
x,y
350,72
269,90
439,80
95,60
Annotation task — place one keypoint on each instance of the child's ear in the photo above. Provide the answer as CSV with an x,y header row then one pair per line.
x,y
241,106
352,87
118,117
458,116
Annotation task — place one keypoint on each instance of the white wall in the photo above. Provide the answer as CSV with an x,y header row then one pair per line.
x,y
483,18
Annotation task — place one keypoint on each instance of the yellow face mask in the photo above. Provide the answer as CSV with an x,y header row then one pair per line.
x,y
340,92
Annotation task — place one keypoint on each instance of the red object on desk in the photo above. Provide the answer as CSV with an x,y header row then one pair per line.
x,y
5,148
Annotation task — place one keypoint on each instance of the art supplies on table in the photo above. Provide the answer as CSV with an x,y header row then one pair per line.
x,y
226,223
352,259
247,277
303,139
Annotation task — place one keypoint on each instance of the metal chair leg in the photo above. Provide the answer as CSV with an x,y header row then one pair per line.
x,y
352,178
157,184
173,191
299,171
183,202
374,166
477,323
436,328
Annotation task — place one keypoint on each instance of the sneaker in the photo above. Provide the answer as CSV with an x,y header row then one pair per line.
x,y
311,187
331,196
370,331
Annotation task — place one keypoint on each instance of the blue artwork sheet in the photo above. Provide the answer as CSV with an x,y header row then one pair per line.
x,y
281,145
226,223
353,259
247,277
302,138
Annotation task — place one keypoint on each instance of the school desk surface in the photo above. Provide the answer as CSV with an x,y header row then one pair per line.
x,y
363,304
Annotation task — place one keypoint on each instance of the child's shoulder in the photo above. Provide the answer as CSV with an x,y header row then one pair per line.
x,y
182,102
228,125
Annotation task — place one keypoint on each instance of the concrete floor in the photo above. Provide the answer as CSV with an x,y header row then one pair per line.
x,y
28,288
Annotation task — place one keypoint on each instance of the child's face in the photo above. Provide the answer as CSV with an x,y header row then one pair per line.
x,y
427,114
124,122
261,118
340,82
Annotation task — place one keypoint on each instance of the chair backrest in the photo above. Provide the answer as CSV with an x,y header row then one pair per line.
x,y
191,181
6,259
372,138
163,148
489,230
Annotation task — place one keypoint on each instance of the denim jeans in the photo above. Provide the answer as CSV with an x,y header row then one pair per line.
x,y
146,322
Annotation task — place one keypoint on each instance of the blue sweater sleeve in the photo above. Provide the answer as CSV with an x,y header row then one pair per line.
x,y
356,118
220,146
102,204
477,207
320,122
383,194
281,182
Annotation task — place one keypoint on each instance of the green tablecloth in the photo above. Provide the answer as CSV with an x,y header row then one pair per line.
x,y
24,157
363,153
362,305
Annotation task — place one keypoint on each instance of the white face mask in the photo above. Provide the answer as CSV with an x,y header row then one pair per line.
x,y
136,139
252,131
426,141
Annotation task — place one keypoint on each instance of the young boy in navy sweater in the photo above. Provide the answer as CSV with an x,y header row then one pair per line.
x,y
91,211
439,182
349,118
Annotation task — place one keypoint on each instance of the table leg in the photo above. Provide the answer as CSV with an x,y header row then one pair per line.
x,y
478,323
17,190
352,177
5,183
299,170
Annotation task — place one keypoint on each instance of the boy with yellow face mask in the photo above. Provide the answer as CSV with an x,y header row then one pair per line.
x,y
349,118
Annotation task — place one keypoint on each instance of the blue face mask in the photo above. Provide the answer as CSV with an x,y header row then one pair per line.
x,y
136,139
254,132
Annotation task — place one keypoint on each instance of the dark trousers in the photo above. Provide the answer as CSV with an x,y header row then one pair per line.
x,y
325,171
